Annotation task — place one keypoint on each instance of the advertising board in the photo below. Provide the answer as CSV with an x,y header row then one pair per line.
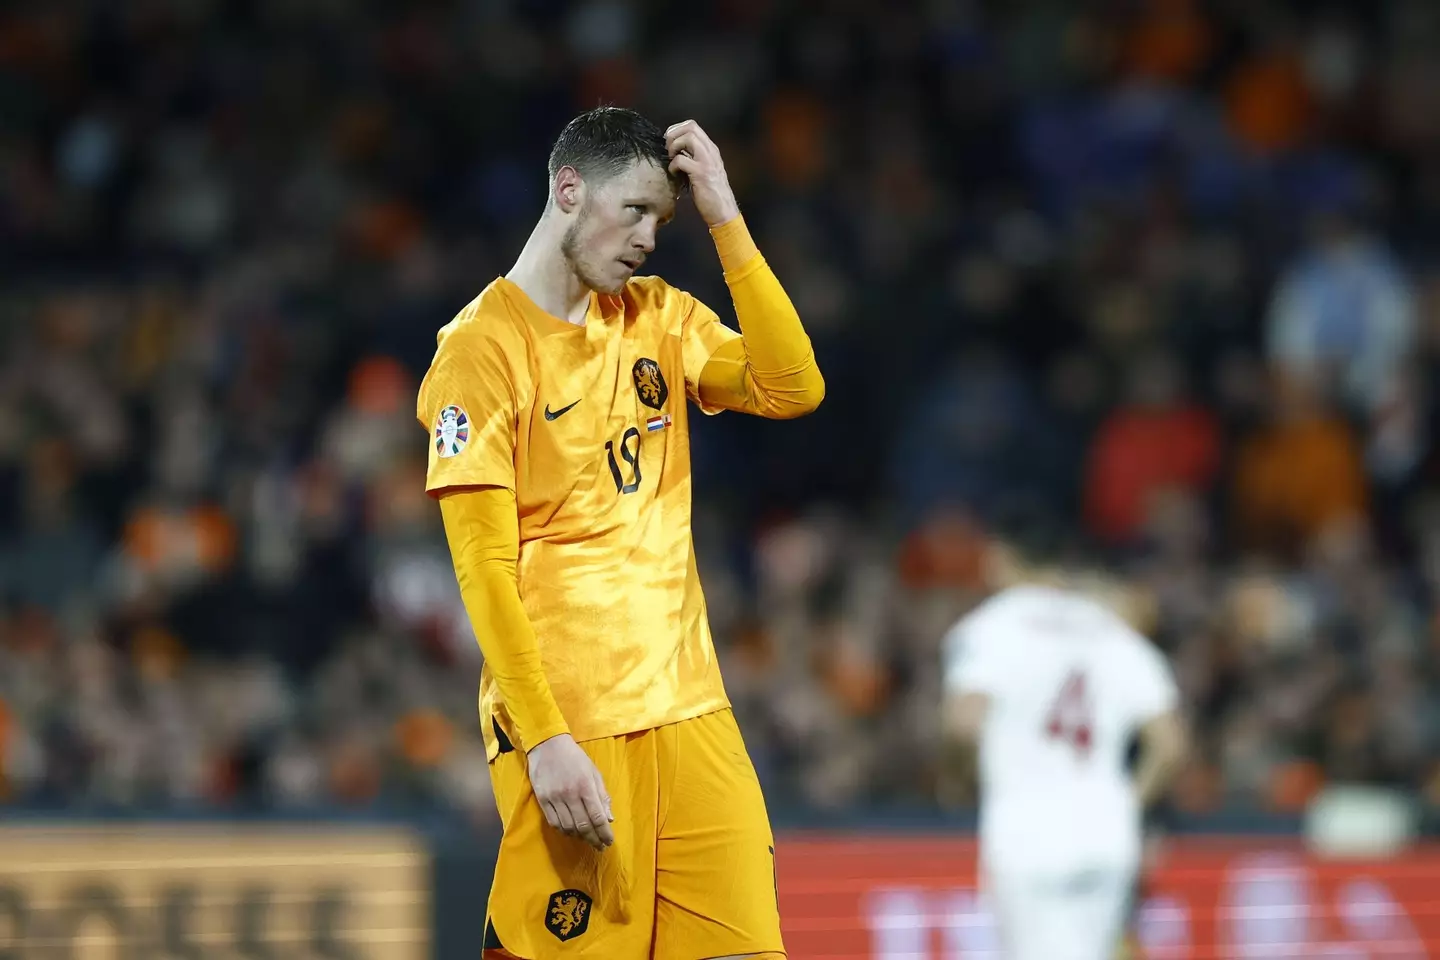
x,y
192,893
916,898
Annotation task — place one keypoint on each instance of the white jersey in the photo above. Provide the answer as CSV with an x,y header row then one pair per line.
x,y
1069,684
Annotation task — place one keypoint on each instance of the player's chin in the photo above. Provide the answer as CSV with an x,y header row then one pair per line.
x,y
614,281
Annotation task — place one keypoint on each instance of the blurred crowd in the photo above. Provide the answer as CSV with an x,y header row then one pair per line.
x,y
1145,286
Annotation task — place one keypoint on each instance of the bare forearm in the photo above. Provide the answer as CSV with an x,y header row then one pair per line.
x,y
1162,752
1154,776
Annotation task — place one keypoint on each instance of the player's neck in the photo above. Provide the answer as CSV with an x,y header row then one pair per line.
x,y
547,279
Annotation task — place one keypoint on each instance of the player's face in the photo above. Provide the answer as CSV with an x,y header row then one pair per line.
x,y
615,228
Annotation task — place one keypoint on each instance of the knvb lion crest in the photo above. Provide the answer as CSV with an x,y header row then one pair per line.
x,y
568,915
650,384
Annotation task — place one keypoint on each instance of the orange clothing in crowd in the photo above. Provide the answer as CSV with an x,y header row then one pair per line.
x,y
1295,478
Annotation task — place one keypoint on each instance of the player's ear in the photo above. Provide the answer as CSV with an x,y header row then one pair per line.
x,y
567,191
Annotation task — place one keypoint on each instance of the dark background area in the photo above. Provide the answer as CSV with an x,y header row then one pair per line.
x,y
1150,285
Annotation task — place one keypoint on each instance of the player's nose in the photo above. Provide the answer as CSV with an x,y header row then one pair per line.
x,y
644,240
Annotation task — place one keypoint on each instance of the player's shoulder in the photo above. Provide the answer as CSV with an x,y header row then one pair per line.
x,y
485,344
989,618
656,299
1016,602
651,292
487,319
1052,610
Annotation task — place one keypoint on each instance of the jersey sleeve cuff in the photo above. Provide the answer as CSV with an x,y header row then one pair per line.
x,y
546,734
735,246
553,727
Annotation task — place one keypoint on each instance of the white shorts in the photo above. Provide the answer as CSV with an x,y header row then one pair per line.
x,y
1074,915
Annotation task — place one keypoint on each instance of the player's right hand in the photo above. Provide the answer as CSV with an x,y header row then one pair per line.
x,y
571,791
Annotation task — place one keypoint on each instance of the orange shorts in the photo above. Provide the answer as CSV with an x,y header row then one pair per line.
x,y
691,874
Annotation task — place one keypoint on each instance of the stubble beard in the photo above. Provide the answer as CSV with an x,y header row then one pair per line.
x,y
570,249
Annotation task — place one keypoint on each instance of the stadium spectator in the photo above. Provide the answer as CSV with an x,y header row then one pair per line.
x,y
1297,474
1343,312
1155,443
232,230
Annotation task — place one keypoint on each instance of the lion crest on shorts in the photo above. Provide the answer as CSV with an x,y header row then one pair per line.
x,y
569,914
650,383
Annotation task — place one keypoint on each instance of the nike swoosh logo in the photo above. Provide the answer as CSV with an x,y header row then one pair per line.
x,y
557,414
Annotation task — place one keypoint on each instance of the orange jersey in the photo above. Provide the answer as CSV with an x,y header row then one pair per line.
x,y
588,426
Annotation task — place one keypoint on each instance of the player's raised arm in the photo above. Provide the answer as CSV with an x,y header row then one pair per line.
x,y
770,369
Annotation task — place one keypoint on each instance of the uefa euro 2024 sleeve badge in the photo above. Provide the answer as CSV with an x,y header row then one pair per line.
x,y
452,431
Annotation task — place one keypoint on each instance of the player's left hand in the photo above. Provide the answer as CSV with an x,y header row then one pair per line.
x,y
694,154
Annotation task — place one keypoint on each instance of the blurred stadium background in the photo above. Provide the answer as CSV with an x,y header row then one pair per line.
x,y
1150,283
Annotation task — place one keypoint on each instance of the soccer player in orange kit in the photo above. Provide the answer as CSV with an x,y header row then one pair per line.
x,y
634,825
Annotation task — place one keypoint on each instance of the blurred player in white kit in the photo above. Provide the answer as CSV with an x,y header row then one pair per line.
x,y
1052,687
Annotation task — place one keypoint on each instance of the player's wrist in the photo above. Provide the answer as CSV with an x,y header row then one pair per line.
x,y
549,737
726,214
